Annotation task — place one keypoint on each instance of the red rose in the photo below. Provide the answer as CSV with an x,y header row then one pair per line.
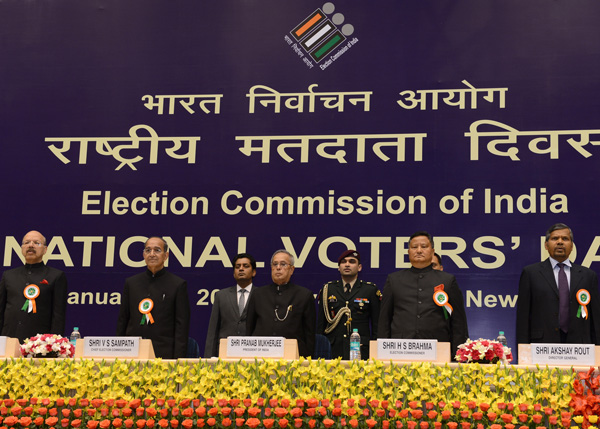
x,y
76,423
371,423
128,423
174,423
253,411
239,422
226,422
117,423
150,423
141,423
51,421
424,425
211,421
92,424
416,414
187,423
354,423
253,422
25,421
268,423
200,411
283,423
163,423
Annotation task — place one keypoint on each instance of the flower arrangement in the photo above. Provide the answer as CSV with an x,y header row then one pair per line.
x,y
47,345
483,351
584,401
267,413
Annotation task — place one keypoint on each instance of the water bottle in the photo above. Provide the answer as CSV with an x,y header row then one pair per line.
x,y
75,335
355,345
502,340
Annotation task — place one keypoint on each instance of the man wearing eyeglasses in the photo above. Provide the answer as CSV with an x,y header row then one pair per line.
x,y
155,305
33,298
283,309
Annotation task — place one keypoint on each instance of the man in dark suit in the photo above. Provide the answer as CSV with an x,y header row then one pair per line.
x,y
421,302
548,310
33,298
228,316
283,309
347,304
155,305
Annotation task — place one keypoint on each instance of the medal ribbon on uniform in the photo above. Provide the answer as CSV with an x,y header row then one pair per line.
x,y
441,299
583,298
145,307
31,292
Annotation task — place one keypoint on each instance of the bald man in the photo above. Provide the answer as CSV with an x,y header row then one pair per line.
x,y
33,298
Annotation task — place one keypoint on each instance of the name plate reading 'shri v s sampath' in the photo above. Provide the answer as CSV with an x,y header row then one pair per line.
x,y
417,350
563,354
111,346
272,347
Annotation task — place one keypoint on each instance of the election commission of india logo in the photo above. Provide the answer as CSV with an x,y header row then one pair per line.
x,y
322,37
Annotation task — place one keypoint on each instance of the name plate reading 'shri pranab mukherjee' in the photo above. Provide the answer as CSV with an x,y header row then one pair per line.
x,y
417,350
272,347
563,354
111,346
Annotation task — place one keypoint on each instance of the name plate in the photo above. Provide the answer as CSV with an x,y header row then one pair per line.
x,y
111,347
2,346
269,347
563,354
394,349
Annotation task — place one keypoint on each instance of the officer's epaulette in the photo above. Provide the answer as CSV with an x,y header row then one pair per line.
x,y
369,283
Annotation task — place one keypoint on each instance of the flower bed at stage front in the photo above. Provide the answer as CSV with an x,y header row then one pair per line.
x,y
303,394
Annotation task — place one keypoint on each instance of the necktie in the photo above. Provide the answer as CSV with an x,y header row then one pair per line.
x,y
242,302
347,288
563,295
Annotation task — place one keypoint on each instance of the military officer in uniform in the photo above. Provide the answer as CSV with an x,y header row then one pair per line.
x,y
347,304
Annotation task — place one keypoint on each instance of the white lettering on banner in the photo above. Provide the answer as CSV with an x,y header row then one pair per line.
x,y
502,134
489,300
103,203
233,202
112,146
455,97
102,250
302,143
533,202
187,101
295,100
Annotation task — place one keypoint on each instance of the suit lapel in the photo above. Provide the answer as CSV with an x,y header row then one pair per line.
x,y
575,279
233,300
548,274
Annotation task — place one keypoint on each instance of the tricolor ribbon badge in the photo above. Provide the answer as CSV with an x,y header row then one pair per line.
x,y
31,292
145,307
441,299
583,298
